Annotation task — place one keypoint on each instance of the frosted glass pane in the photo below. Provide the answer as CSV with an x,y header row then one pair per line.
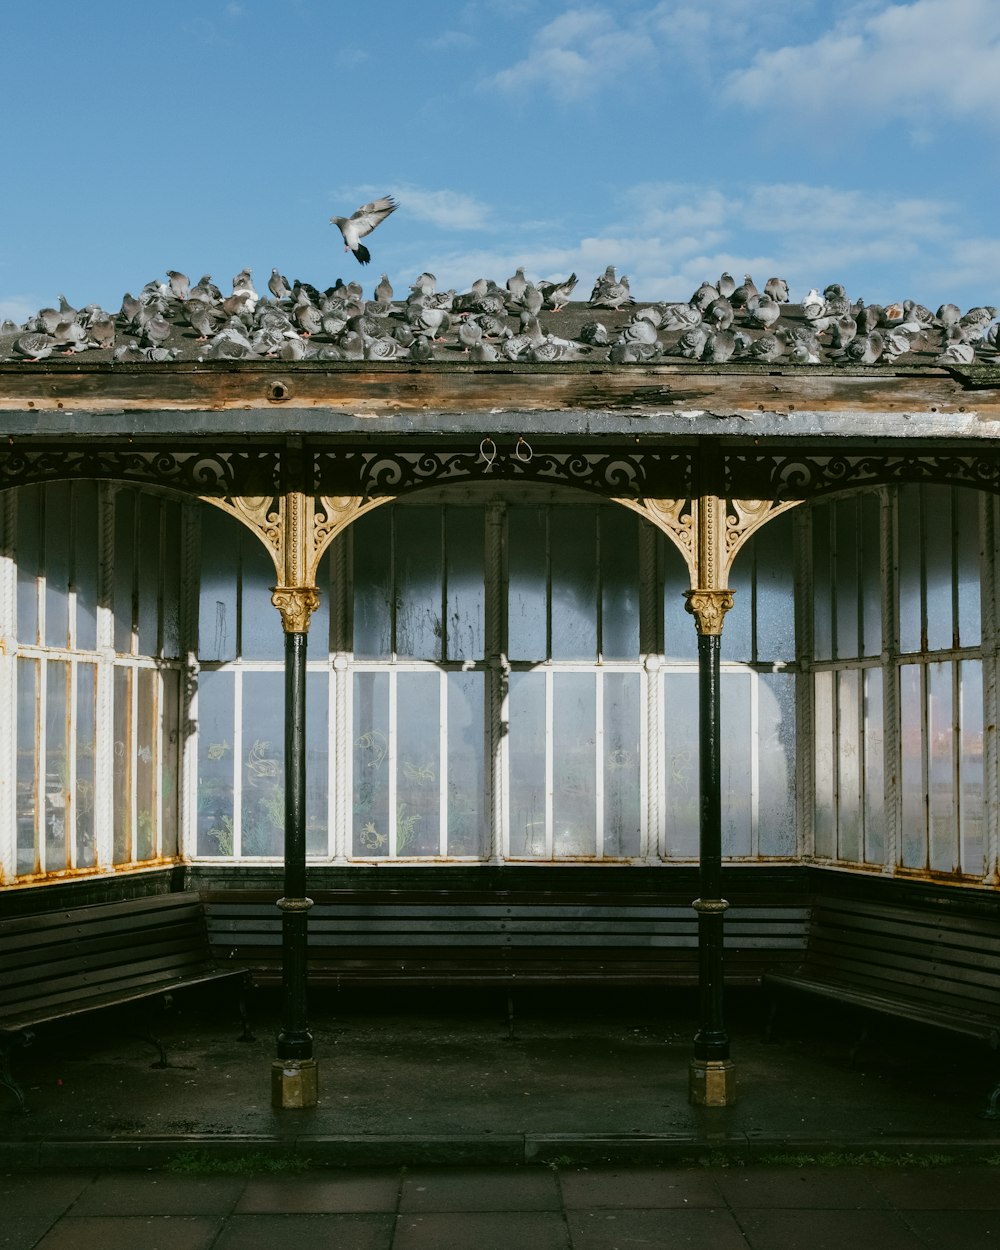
x,y
680,637
823,771
968,548
846,568
318,737
775,602
261,634
908,528
468,825
737,628
170,575
776,764
527,596
971,799
122,761
418,764
124,570
27,769
149,553
147,815
574,767
217,600
526,753
912,793
216,734
85,562
372,564
419,576
58,676
849,759
822,562
736,764
938,538
874,765
619,584
370,812
262,818
57,554
170,766
465,608
942,807
871,573
86,742
29,517
680,758
622,777
573,564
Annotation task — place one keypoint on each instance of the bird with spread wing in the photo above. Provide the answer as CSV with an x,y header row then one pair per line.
x,y
362,222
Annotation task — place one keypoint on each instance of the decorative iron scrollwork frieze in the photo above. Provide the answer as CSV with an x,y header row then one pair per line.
x,y
194,471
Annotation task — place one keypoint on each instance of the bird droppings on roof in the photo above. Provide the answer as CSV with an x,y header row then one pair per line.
x,y
519,321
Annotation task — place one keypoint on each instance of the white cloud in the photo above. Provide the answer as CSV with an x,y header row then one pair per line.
x,y
18,308
448,210
927,59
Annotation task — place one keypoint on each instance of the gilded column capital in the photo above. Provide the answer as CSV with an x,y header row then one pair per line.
x,y
296,605
708,607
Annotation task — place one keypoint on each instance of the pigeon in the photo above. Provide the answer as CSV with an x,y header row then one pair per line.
x,y
383,292
278,285
556,294
180,286
517,284
777,288
362,222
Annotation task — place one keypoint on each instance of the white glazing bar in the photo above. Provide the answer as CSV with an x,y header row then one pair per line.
x,y
156,805
549,761
41,763
133,756
754,764
599,758
71,747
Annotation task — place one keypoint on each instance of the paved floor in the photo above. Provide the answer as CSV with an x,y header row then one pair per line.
x,y
515,1208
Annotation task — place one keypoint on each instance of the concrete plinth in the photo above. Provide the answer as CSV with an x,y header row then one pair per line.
x,y
712,1082
294,1083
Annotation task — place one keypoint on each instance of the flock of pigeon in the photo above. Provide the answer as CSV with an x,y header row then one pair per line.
x,y
520,321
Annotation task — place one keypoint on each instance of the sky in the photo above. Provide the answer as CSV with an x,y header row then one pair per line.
x,y
853,142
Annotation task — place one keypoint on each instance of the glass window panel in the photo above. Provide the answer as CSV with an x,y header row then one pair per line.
x,y
86,551
908,530
874,768
262,815
147,816
86,747
680,749
846,568
973,841
942,805
871,573
418,568
737,633
373,594
57,765
619,531
124,567
822,575
776,763
968,551
149,551
823,779
261,634
622,775
573,568
526,756
418,764
173,546
680,638
170,769
466,592
912,793
371,764
57,554
774,626
216,734
122,766
29,519
318,741
27,764
468,824
217,598
938,536
849,759
574,766
527,595
736,764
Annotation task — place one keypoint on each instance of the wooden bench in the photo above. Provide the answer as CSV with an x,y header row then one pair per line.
x,y
934,968
515,939
65,963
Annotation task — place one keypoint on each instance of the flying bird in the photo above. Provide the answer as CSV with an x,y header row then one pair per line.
x,y
362,222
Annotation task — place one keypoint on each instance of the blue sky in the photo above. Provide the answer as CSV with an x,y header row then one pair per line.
x,y
852,142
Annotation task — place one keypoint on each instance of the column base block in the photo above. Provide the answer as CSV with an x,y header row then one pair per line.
x,y
294,1083
712,1082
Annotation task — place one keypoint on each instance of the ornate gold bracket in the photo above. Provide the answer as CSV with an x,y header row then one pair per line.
x,y
708,607
296,605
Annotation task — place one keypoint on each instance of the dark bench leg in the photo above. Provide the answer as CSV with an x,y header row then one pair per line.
x,y
6,1075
